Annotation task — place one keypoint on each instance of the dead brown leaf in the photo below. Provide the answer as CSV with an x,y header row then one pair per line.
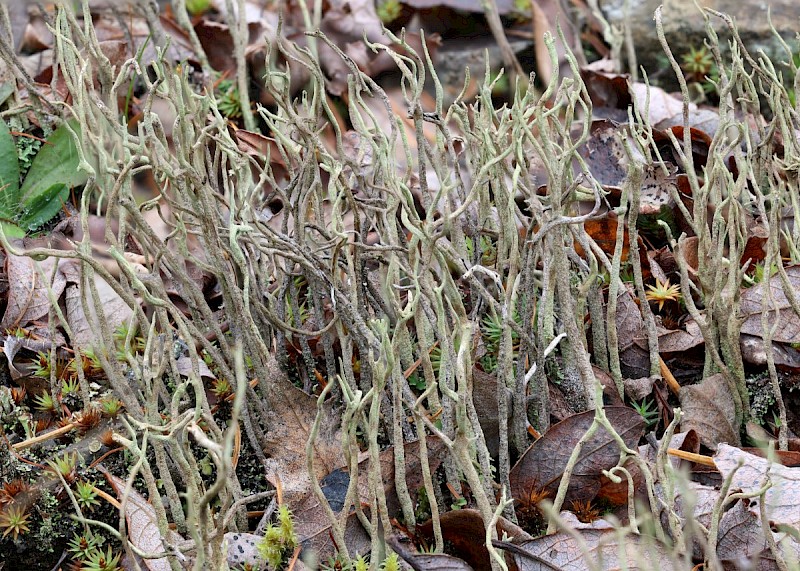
x,y
313,526
542,465
28,298
781,499
603,548
84,328
287,433
465,533
634,357
710,411
142,524
755,302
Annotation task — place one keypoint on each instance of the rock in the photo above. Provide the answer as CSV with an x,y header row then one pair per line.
x,y
684,26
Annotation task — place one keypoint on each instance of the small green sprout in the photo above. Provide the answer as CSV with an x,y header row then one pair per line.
x,y
41,368
99,560
493,329
228,100
88,361
648,410
14,521
45,402
458,503
70,387
391,563
110,407
65,466
389,10
121,335
197,7
82,546
86,495
698,63
221,388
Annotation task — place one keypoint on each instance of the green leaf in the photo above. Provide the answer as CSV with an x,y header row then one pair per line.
x,y
43,206
57,162
6,89
9,173
12,231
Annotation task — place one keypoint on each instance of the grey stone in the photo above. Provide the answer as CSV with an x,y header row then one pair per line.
x,y
684,26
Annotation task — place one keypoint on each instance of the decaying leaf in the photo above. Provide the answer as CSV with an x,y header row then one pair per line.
x,y
313,526
634,358
143,525
782,498
710,411
755,301
28,298
601,549
542,465
290,429
85,329
465,534
424,561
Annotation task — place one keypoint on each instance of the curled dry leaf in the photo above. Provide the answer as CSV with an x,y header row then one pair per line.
x,y
609,93
184,365
753,352
425,561
36,344
657,104
679,340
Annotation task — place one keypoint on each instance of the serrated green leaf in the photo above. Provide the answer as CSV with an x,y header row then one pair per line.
x,y
57,162
9,173
43,206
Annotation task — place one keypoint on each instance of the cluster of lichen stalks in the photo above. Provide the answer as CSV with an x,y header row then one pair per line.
x,y
376,308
